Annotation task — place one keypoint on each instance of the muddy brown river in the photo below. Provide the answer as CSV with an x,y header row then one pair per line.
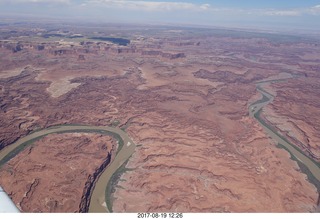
x,y
98,197
254,113
98,202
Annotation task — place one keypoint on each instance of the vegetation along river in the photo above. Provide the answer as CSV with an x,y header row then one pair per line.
x,y
99,201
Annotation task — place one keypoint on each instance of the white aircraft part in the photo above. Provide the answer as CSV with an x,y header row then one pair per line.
x,y
6,204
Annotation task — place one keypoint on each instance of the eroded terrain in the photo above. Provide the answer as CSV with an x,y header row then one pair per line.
x,y
184,100
295,112
54,174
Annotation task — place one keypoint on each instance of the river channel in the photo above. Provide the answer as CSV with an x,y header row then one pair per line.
x,y
98,198
254,112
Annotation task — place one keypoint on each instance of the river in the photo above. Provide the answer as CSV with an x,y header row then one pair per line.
x,y
254,112
99,200
98,196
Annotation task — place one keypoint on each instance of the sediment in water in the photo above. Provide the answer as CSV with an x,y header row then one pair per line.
x,y
89,186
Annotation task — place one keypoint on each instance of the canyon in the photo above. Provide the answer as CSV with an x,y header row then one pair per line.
x,y
181,96
55,164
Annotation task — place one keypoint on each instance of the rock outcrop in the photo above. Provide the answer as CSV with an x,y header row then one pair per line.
x,y
57,173
181,96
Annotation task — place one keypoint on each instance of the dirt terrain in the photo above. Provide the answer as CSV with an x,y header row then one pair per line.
x,y
183,98
55,173
296,113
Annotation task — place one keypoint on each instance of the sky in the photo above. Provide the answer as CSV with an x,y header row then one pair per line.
x,y
264,14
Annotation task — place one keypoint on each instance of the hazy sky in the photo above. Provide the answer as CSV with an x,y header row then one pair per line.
x,y
287,14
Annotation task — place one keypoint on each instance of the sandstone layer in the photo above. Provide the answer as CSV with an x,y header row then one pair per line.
x,y
199,151
55,174
295,112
